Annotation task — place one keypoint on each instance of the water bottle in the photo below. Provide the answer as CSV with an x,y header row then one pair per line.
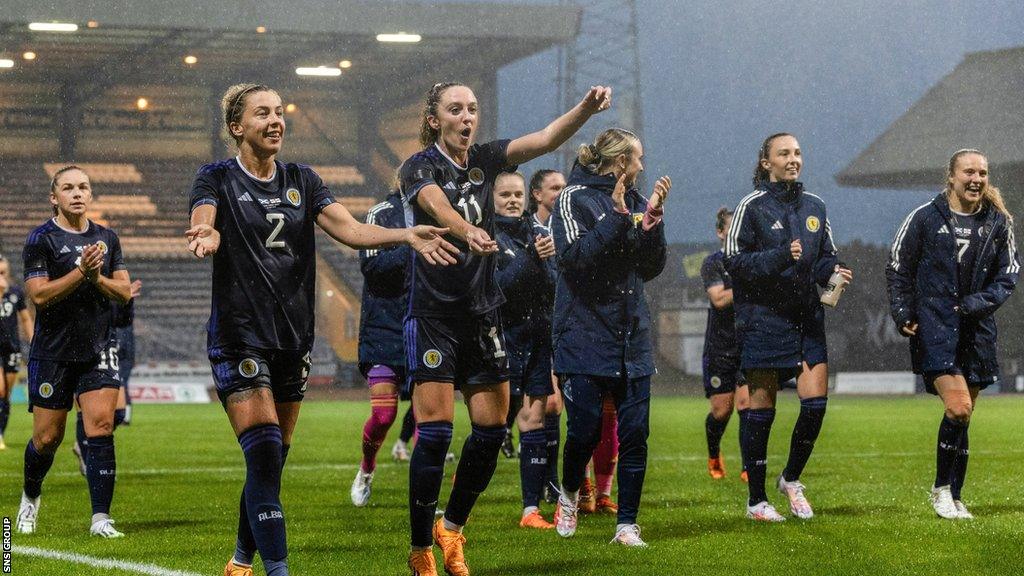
x,y
836,284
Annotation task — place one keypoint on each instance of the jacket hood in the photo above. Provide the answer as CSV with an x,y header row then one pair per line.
x,y
941,204
583,176
509,223
783,191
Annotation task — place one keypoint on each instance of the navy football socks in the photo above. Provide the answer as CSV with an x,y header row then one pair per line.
x,y
36,467
714,430
476,466
263,460
956,481
426,471
805,433
743,426
755,451
101,473
950,433
408,426
245,545
81,438
5,414
533,465
553,433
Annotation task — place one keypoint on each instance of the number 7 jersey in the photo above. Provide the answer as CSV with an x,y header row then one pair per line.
x,y
264,272
468,287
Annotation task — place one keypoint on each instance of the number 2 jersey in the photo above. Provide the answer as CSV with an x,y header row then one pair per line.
x,y
468,287
264,272
77,327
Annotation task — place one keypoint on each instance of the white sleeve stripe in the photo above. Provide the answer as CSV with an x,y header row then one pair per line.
x,y
897,243
371,218
828,234
1011,250
731,240
572,227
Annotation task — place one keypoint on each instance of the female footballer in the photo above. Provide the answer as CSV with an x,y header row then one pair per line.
x,y
953,264
254,215
778,250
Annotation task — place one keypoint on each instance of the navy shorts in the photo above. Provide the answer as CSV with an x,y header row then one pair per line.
x,y
11,361
722,375
375,373
530,371
464,351
284,372
53,384
761,350
930,377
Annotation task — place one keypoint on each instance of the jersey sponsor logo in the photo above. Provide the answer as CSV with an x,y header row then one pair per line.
x,y
293,197
245,198
813,224
716,382
248,368
777,225
476,176
450,186
65,250
270,202
46,389
432,358
943,230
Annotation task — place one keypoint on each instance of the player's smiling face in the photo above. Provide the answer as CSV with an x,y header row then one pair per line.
x,y
509,196
456,120
784,160
549,190
73,194
969,179
262,126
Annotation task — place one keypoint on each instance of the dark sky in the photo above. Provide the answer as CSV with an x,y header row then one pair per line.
x,y
719,77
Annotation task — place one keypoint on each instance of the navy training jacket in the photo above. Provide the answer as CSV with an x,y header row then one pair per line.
x,y
528,283
774,296
601,324
385,291
923,278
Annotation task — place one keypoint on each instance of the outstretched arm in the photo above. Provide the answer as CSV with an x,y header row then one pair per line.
x,y
339,224
433,201
530,146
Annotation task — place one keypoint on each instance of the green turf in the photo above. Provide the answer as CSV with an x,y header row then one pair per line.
x,y
180,471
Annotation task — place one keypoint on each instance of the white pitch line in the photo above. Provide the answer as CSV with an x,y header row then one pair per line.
x,y
321,467
136,567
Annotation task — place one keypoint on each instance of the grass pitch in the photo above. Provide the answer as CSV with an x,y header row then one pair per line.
x,y
180,472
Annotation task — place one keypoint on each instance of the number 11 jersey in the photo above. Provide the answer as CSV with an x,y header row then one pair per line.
x,y
468,287
264,272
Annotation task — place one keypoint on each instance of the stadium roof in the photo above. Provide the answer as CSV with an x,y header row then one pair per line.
x,y
147,41
978,105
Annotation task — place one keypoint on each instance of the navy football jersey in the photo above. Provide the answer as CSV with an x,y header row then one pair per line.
x,y
76,328
468,287
11,304
123,320
264,272
969,239
385,294
720,334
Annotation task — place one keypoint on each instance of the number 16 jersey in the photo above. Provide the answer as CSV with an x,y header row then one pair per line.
x,y
264,272
468,287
